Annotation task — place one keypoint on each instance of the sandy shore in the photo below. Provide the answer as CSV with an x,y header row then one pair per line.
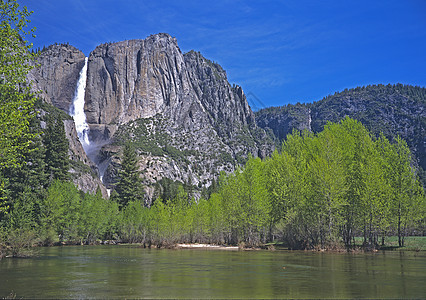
x,y
206,246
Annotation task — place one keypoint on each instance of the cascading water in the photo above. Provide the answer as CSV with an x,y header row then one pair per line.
x,y
82,128
77,109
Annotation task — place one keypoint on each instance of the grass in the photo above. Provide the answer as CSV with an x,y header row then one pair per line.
x,y
412,243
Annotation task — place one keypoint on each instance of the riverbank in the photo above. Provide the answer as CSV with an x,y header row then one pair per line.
x,y
206,246
412,244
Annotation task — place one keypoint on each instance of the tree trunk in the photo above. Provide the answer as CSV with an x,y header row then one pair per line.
x,y
400,240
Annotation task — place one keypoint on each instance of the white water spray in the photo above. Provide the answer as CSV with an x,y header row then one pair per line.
x,y
77,109
82,128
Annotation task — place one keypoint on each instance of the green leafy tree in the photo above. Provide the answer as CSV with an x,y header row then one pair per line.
x,y
328,177
228,193
137,223
160,221
292,191
216,219
254,201
406,200
98,217
199,221
284,194
183,214
61,210
16,99
374,205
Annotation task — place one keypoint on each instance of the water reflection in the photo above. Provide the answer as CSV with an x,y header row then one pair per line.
x,y
122,271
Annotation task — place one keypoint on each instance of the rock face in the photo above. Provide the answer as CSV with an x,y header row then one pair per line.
x,y
143,78
133,79
58,73
185,119
86,178
283,120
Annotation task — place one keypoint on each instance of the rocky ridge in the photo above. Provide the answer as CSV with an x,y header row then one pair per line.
x,y
179,110
185,119
281,121
391,109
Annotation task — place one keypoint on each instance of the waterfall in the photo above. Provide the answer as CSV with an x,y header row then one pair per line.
x,y
77,109
82,128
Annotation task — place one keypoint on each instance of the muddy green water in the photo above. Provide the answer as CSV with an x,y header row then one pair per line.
x,y
130,272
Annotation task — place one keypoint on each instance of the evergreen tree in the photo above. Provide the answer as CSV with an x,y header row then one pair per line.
x,y
188,187
129,188
31,170
57,146
27,181
168,189
207,192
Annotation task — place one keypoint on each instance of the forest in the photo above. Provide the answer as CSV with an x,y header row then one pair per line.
x,y
319,190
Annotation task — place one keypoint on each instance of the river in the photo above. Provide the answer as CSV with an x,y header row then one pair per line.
x,y
131,272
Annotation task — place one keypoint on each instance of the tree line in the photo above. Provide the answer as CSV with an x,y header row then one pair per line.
x,y
321,190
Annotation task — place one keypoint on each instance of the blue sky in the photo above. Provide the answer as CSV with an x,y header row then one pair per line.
x,y
279,51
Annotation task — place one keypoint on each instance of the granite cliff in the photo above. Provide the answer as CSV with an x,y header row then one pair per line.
x,y
57,74
187,122
185,119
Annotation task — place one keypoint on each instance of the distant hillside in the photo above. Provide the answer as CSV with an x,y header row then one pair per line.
x,y
391,109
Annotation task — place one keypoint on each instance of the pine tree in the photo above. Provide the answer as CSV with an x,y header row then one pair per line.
x,y
129,188
57,146
27,181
